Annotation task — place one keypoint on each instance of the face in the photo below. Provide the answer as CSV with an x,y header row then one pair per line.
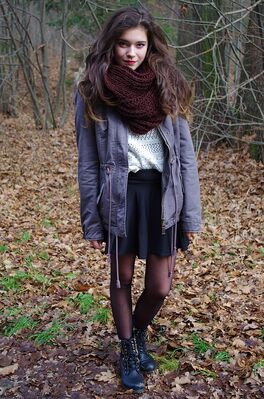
x,y
131,47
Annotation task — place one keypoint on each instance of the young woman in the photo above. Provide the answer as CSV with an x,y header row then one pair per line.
x,y
137,173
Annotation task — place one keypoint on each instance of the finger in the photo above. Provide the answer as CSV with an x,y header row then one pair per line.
x,y
190,235
96,244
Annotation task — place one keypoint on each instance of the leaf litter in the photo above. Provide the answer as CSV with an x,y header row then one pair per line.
x,y
57,334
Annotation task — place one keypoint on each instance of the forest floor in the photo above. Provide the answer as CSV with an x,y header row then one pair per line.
x,y
57,336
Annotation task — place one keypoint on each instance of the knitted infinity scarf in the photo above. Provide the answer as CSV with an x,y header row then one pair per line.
x,y
137,96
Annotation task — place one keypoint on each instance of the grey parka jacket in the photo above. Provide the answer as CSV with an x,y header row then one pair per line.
x,y
103,174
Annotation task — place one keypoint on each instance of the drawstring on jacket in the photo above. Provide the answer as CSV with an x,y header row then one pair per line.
x,y
118,285
174,227
108,170
173,248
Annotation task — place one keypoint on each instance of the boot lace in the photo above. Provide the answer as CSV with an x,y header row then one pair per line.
x,y
141,336
130,355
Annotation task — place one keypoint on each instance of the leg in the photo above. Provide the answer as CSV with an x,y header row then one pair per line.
x,y
121,301
157,287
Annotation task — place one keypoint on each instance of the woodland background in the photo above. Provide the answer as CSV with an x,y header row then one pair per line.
x,y
57,336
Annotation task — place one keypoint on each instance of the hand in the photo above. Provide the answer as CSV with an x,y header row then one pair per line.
x,y
190,235
96,244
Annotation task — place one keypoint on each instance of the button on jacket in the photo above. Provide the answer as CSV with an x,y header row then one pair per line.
x,y
103,174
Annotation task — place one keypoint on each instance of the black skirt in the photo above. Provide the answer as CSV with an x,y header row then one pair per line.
x,y
143,220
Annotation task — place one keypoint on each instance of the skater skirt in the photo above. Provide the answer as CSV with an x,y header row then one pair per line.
x,y
143,220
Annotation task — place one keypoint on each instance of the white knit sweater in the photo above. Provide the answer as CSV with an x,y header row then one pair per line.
x,y
145,151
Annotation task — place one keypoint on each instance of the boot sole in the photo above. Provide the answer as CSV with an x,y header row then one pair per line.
x,y
148,371
141,390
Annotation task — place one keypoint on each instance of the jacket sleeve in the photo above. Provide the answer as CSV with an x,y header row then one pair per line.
x,y
88,173
191,212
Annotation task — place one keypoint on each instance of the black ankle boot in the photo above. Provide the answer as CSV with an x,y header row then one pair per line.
x,y
146,362
129,365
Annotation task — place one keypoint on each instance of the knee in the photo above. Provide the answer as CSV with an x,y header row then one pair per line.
x,y
125,281
159,292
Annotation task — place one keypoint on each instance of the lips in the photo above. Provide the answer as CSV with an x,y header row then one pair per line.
x,y
130,62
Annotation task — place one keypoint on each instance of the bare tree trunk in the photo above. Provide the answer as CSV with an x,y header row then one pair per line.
x,y
49,118
235,47
8,70
254,65
60,91
21,44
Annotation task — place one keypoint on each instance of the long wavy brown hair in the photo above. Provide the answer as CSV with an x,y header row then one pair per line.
x,y
175,93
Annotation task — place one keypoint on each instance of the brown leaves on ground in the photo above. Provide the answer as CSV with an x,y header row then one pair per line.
x,y
58,340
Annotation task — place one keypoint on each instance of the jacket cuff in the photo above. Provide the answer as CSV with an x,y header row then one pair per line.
x,y
188,226
96,237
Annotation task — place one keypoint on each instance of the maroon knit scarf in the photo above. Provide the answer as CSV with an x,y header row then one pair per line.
x,y
137,96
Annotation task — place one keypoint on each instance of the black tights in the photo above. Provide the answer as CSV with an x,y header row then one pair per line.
x,y
157,287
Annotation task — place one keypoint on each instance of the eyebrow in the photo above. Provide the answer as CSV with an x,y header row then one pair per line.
x,y
127,41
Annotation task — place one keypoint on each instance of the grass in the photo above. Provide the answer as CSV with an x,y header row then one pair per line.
x,y
160,339
13,283
48,335
38,277
29,260
102,315
257,366
56,273
200,346
3,248
213,297
84,301
194,265
25,236
88,304
223,356
16,326
71,275
180,286
47,223
168,363
206,373
43,255
33,274
13,311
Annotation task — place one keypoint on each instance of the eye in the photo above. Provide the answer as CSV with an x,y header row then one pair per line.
x,y
121,43
140,45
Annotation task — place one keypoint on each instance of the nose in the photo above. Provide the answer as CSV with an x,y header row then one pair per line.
x,y
131,52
